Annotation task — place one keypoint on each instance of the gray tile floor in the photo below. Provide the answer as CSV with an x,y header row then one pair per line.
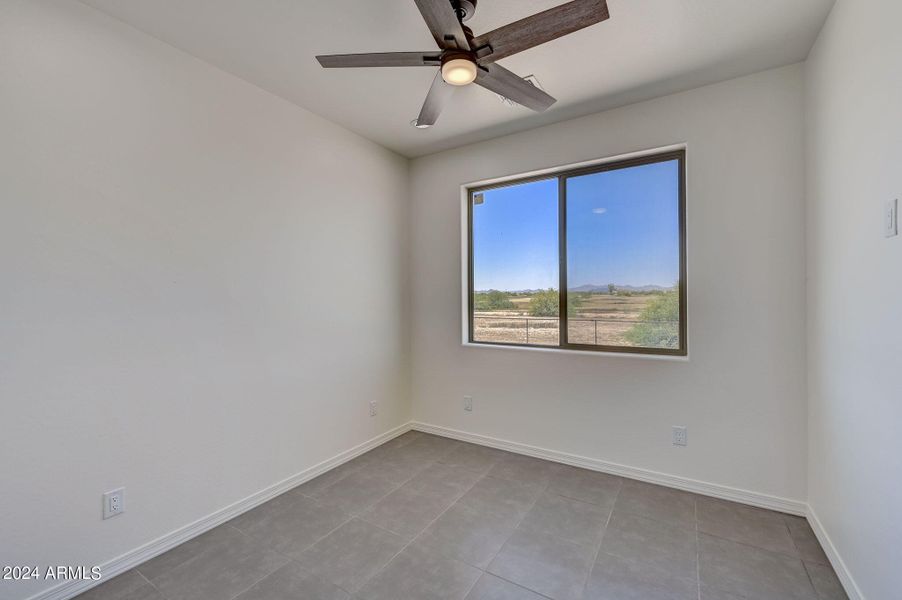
x,y
423,517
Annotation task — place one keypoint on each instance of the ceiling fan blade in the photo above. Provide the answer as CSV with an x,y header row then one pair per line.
x,y
443,23
513,87
380,59
439,94
540,28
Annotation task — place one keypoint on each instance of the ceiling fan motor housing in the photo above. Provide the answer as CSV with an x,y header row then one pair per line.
x,y
464,8
449,55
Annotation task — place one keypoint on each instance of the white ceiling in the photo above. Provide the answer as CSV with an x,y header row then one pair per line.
x,y
647,49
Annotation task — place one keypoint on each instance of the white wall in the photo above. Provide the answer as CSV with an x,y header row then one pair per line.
x,y
741,394
854,149
182,259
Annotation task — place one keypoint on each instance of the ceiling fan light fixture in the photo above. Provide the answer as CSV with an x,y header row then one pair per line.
x,y
465,58
459,71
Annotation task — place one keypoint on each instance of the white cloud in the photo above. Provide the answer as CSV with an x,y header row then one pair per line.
x,y
599,211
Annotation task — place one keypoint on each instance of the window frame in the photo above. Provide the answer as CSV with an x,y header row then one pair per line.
x,y
562,175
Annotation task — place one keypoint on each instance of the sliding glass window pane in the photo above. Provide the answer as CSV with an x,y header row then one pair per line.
x,y
623,257
515,264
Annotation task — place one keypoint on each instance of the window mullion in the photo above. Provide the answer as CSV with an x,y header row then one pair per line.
x,y
562,260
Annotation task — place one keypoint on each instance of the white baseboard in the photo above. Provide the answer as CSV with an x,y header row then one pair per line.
x,y
842,571
135,557
786,505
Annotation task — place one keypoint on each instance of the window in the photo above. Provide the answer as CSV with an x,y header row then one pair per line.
x,y
586,259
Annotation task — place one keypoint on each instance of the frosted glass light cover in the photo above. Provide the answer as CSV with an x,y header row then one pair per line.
x,y
459,71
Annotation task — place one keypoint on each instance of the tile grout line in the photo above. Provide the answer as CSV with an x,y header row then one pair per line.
x,y
263,545
709,534
356,515
804,564
416,537
601,540
150,583
456,498
519,585
187,560
462,494
297,489
656,519
285,556
667,523
748,545
255,582
545,490
758,548
485,474
517,526
351,517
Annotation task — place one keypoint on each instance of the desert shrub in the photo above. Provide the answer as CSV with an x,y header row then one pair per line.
x,y
492,300
660,323
545,303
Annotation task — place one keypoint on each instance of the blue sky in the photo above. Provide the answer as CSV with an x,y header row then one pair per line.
x,y
622,228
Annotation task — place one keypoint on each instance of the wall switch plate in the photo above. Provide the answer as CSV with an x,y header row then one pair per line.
x,y
374,408
679,436
468,403
891,218
113,503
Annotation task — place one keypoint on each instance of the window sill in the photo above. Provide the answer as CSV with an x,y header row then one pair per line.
x,y
553,350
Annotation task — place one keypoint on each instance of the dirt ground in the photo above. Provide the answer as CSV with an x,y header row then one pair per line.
x,y
602,319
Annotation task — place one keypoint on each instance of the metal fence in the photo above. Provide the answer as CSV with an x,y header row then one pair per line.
x,y
594,328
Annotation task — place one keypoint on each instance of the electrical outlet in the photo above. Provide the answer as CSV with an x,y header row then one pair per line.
x,y
114,503
468,403
374,408
679,436
891,218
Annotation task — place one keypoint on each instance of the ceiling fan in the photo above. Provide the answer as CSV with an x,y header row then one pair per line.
x,y
464,58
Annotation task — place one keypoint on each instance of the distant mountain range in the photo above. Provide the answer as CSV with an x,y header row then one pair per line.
x,y
622,288
597,288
